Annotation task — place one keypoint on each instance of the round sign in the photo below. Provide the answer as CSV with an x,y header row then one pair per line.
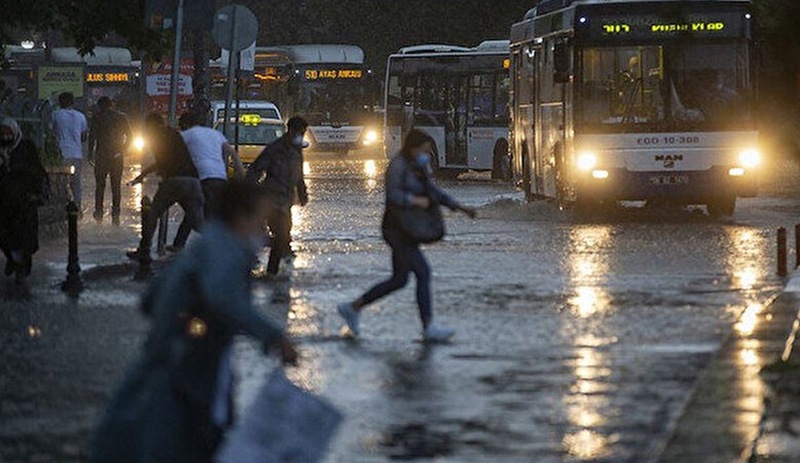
x,y
235,28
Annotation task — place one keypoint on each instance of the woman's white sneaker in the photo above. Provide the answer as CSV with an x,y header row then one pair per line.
x,y
435,333
350,316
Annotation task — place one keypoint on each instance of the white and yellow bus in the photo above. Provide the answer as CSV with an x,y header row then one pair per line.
x,y
635,100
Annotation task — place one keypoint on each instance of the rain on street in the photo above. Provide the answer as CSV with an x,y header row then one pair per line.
x,y
579,339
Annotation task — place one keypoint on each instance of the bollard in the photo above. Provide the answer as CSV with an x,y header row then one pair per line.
x,y
797,246
73,285
145,270
782,257
163,230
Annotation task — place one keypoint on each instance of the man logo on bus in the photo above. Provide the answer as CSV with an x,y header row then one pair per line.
x,y
669,160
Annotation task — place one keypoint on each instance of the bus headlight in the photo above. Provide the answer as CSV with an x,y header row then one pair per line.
x,y
749,158
138,143
370,137
587,161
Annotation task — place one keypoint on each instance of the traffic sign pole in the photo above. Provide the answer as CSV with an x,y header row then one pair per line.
x,y
176,66
238,97
235,28
233,63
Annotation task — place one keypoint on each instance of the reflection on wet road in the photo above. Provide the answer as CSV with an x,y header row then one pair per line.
x,y
578,340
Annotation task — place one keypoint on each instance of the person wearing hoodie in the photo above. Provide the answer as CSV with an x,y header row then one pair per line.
x,y
23,188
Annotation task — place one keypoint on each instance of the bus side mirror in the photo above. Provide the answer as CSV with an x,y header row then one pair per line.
x,y
561,73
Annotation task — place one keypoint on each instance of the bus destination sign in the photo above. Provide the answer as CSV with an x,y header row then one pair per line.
x,y
333,74
107,77
648,27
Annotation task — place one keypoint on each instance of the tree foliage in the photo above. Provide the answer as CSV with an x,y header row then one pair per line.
x,y
83,22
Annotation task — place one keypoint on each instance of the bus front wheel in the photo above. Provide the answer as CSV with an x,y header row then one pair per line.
x,y
721,206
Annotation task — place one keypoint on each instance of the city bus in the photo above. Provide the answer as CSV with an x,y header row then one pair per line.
x,y
328,85
635,100
459,96
109,72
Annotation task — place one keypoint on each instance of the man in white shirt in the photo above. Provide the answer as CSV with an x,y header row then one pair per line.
x,y
211,154
71,130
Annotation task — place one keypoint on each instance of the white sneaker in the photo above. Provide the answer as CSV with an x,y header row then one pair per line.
x,y
350,315
438,333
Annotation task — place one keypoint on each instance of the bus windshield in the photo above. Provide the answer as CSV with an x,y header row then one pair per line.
x,y
259,134
701,86
337,103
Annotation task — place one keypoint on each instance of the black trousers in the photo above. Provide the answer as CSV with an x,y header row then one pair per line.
x,y
108,167
185,191
280,226
211,191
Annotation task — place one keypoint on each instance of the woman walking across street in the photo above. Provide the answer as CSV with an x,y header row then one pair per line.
x,y
408,186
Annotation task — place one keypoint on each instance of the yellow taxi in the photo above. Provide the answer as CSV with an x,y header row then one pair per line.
x,y
254,133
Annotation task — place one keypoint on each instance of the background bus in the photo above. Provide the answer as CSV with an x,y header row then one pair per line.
x,y
635,100
108,71
328,85
458,95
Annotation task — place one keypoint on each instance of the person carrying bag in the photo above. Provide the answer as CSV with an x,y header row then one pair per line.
x,y
285,423
413,216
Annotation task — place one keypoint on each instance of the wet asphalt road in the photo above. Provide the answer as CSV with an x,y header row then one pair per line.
x,y
578,340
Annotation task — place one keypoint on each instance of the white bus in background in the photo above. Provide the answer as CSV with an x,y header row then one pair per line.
x,y
328,85
635,100
459,96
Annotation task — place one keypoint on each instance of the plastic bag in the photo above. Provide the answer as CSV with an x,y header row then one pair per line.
x,y
285,424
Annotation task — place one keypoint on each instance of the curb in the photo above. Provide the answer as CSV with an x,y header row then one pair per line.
x,y
715,424
792,294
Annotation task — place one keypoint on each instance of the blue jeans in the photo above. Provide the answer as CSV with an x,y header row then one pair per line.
x,y
406,258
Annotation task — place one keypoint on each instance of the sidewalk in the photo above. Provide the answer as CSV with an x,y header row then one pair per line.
x,y
779,441
746,405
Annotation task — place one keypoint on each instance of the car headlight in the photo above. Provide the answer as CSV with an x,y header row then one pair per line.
x,y
749,158
587,161
370,137
138,143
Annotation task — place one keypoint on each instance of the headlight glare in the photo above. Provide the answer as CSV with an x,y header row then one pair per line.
x,y
749,158
370,137
138,143
587,161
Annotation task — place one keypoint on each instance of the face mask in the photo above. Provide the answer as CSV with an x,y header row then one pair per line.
x,y
297,140
423,159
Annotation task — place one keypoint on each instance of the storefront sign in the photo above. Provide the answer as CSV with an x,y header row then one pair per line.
x,y
159,77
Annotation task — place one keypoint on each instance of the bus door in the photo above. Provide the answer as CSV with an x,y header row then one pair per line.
x,y
485,112
538,163
551,131
456,89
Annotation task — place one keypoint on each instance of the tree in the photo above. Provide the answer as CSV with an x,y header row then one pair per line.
x,y
84,22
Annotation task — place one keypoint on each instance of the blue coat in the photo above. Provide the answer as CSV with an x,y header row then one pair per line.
x,y
162,412
404,181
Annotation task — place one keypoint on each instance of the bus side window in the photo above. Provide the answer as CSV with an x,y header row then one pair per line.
x,y
561,62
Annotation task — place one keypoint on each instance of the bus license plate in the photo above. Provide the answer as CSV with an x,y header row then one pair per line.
x,y
669,180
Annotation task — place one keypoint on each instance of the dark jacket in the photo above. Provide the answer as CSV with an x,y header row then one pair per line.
x,y
23,188
162,412
404,181
171,154
281,166
109,136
